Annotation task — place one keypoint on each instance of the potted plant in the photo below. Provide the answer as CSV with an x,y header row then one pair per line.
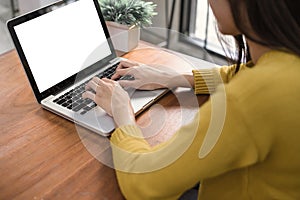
x,y
124,18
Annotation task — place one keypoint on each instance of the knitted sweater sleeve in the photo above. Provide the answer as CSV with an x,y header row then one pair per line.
x,y
194,153
206,80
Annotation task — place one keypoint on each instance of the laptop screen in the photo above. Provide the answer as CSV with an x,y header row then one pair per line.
x,y
62,42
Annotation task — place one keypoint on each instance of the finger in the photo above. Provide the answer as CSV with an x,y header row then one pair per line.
x,y
121,72
116,75
108,81
89,95
96,80
93,84
127,64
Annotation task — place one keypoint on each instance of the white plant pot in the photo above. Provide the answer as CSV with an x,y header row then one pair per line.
x,y
124,38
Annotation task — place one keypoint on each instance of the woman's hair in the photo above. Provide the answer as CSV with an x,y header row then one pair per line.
x,y
272,23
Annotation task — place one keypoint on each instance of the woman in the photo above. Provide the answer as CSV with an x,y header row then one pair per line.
x,y
256,154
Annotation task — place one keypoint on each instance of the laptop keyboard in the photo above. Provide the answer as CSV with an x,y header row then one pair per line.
x,y
73,100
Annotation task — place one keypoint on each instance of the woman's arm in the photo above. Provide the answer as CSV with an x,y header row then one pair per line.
x,y
167,170
206,80
151,77
203,80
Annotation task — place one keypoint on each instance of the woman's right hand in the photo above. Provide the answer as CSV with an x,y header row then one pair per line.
x,y
145,77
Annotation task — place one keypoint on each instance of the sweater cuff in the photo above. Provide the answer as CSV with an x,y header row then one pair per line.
x,y
206,80
124,132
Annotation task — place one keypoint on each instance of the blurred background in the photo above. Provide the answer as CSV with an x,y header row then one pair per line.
x,y
184,26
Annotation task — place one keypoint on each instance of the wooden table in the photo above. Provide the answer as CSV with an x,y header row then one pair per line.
x,y
41,154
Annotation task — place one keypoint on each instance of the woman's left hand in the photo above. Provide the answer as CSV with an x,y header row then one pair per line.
x,y
112,98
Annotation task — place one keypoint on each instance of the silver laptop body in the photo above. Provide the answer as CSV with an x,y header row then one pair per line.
x,y
61,47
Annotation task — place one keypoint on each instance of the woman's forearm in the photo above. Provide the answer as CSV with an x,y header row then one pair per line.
x,y
181,80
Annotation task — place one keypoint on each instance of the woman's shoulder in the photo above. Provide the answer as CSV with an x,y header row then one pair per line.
x,y
273,65
278,58
276,72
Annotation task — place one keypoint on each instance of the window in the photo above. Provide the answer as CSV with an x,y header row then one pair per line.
x,y
198,23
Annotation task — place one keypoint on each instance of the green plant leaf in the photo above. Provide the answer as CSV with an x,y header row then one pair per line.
x,y
128,12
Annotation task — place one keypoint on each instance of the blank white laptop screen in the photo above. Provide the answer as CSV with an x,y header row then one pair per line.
x,y
57,44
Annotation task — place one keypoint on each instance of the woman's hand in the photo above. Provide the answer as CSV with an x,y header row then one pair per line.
x,y
151,78
145,77
110,96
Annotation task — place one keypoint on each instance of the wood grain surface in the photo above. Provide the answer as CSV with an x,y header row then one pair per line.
x,y
43,156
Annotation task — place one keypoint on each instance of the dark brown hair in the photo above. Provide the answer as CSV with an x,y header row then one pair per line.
x,y
273,23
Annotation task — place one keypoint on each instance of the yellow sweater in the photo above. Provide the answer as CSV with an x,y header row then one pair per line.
x,y
254,155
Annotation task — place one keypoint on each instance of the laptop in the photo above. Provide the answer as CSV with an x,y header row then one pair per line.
x,y
61,47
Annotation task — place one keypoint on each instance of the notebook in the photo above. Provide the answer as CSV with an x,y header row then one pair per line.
x,y
61,47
